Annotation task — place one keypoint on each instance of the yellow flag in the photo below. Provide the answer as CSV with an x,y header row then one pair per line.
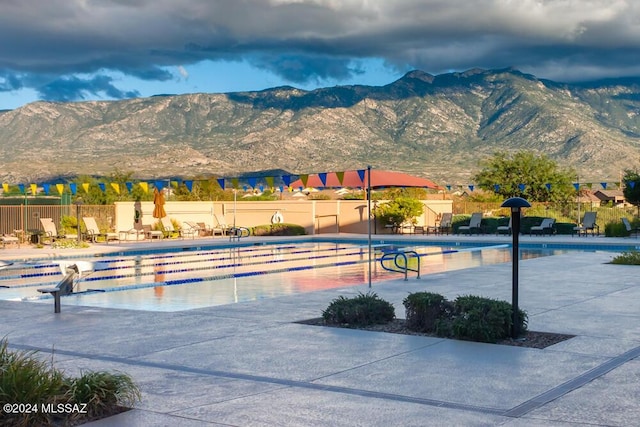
x,y
60,188
85,185
5,186
269,180
145,187
116,187
235,183
34,189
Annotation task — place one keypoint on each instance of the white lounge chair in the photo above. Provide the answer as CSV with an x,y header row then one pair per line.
x,y
93,231
588,225
474,224
190,229
546,226
221,225
51,231
168,227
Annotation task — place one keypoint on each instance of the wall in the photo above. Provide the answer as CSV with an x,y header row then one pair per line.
x,y
316,216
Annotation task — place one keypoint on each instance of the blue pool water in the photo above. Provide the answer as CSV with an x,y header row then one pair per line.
x,y
201,277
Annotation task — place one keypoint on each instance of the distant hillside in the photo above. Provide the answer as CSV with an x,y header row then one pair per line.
x,y
434,126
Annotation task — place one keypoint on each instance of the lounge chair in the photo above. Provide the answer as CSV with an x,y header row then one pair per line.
x,y
504,228
12,240
93,231
190,229
588,225
445,223
168,227
547,226
630,229
474,224
221,225
150,233
51,231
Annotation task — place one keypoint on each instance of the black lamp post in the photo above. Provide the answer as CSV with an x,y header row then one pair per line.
x,y
516,204
78,204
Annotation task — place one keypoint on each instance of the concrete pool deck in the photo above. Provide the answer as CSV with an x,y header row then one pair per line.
x,y
249,364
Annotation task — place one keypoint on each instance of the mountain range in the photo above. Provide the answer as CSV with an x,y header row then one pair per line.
x,y
439,127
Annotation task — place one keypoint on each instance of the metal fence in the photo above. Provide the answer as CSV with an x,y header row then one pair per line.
x,y
24,219
561,212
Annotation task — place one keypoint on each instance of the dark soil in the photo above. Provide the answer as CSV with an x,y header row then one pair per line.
x,y
531,339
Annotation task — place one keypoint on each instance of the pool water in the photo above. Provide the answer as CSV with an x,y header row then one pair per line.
x,y
182,280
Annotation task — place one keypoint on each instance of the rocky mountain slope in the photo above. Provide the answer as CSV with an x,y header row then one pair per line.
x,y
434,126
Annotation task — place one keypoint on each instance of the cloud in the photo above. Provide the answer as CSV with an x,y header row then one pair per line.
x,y
310,40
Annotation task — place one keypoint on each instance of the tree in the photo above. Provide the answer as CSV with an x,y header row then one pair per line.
x,y
631,189
524,174
398,211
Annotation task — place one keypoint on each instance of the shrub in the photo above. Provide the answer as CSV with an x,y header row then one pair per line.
x,y
278,230
627,258
25,379
424,309
362,310
615,229
483,319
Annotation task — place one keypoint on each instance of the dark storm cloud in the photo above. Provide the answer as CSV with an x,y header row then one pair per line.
x,y
311,40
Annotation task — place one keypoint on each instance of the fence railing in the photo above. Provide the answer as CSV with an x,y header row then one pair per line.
x,y
27,217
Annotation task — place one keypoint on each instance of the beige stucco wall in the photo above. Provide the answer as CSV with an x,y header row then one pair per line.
x,y
316,216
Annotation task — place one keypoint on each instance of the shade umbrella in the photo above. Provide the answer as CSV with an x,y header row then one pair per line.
x,y
379,178
158,201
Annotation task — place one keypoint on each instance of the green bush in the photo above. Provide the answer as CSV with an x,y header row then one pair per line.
x,y
615,229
469,318
278,230
483,319
25,379
627,258
424,309
362,310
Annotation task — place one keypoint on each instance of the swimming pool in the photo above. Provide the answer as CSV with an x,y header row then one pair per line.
x,y
187,278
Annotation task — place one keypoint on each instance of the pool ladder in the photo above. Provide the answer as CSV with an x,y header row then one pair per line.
x,y
401,268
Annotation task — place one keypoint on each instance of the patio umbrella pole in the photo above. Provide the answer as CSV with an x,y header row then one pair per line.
x,y
369,217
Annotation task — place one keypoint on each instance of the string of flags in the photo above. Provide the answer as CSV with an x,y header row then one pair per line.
x,y
522,187
223,183
255,183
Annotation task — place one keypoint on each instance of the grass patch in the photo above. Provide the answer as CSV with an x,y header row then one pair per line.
x,y
627,258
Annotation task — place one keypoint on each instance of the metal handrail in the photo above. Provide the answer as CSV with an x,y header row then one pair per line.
x,y
238,233
397,268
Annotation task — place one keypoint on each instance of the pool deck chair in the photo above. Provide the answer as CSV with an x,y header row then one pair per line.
x,y
221,227
190,229
630,229
169,229
506,229
474,224
9,240
547,226
51,231
445,223
93,231
588,225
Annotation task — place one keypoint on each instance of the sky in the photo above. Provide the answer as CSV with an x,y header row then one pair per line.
x,y
80,50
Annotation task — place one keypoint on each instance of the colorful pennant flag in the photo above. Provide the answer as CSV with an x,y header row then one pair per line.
x,y
340,176
34,189
21,187
46,187
60,188
102,186
116,187
145,187
189,184
74,188
129,186
221,182
323,178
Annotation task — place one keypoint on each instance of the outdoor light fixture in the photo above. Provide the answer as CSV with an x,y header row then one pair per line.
x,y
516,204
